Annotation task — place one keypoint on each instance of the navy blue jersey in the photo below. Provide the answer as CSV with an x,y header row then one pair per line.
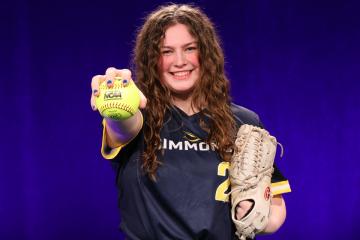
x,y
190,198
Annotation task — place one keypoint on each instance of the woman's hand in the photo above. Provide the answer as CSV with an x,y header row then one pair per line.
x,y
243,208
109,77
277,212
117,132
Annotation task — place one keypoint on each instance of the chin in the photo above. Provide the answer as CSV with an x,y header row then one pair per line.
x,y
182,91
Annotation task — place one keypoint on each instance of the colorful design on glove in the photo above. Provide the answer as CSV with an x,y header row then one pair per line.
x,y
267,194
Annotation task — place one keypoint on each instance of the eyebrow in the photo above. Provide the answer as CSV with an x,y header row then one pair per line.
x,y
185,45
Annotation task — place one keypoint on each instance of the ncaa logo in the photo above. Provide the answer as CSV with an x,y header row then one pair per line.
x,y
112,94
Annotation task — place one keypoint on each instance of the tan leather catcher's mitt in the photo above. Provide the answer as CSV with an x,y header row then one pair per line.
x,y
250,173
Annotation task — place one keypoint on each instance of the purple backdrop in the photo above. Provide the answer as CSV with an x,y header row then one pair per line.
x,y
296,63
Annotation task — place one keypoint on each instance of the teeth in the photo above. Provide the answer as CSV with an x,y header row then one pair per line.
x,y
181,74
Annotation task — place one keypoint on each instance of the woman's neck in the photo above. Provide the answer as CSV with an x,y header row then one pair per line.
x,y
184,103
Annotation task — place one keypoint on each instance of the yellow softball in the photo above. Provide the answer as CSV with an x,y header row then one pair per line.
x,y
119,102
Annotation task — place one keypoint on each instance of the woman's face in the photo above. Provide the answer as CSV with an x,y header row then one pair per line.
x,y
179,66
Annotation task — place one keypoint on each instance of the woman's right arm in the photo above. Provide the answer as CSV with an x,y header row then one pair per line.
x,y
120,132
117,132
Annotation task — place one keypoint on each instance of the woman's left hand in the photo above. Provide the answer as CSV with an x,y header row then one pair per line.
x,y
243,208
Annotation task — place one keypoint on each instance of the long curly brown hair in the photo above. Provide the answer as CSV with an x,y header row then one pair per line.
x,y
210,95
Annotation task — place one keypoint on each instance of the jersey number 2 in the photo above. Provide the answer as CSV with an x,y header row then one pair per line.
x,y
221,191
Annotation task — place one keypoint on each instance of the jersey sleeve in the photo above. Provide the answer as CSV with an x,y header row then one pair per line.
x,y
279,184
106,151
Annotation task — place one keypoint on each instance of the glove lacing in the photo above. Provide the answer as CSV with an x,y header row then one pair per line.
x,y
249,172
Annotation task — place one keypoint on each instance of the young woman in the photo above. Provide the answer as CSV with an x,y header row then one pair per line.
x,y
171,157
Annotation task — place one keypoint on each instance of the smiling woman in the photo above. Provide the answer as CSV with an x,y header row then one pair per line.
x,y
179,65
173,155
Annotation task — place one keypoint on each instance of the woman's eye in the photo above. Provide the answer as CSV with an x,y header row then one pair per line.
x,y
189,49
166,52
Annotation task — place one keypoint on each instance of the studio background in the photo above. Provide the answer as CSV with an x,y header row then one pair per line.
x,y
295,63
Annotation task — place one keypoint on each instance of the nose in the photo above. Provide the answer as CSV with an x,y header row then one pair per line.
x,y
180,59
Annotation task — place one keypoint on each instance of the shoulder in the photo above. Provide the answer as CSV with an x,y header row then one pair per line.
x,y
243,115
